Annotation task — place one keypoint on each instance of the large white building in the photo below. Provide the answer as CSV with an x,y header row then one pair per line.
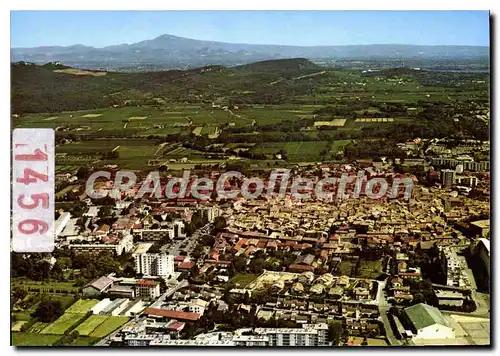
x,y
427,322
155,264
308,335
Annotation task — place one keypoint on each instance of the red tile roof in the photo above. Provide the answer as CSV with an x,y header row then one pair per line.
x,y
172,314
146,283
176,326
186,265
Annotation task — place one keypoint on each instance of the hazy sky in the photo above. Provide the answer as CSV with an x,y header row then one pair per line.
x,y
103,28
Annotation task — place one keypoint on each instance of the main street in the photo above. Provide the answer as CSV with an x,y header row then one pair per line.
x,y
188,244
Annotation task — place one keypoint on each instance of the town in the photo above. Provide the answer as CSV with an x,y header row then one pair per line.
x,y
287,179
276,271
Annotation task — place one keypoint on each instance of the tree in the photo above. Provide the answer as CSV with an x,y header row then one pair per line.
x,y
104,212
48,311
82,172
240,264
335,331
57,272
207,240
219,224
19,293
257,265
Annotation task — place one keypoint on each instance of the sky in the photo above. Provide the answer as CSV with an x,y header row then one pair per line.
x,y
304,28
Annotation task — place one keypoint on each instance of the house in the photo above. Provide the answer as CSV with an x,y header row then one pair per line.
x,y
198,306
98,286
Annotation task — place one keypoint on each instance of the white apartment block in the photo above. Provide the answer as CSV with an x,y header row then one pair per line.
x,y
308,335
154,264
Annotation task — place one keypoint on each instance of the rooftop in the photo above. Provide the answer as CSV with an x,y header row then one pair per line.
x,y
422,315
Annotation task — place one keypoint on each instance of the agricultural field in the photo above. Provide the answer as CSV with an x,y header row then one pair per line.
x,y
108,326
84,341
99,326
18,325
38,327
82,306
308,151
90,324
131,153
64,323
274,114
47,287
33,339
339,145
235,106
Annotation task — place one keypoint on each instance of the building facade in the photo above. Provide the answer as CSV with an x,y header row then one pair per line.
x,y
154,264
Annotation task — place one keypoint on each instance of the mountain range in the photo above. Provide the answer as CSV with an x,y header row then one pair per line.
x,y
172,52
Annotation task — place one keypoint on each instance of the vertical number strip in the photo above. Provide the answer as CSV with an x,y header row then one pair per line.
x,y
33,190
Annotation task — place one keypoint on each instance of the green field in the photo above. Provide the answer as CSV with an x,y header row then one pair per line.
x,y
18,325
109,325
295,151
132,153
82,306
90,324
369,269
64,323
339,145
274,114
38,327
84,341
47,287
33,339
243,279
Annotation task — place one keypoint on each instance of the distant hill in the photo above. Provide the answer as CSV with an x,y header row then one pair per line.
x,y
53,87
283,66
172,52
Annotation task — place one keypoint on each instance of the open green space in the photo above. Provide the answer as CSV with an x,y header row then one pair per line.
x,y
84,341
65,322
41,286
38,327
339,145
82,306
295,151
90,324
108,326
243,279
18,325
33,339
369,269
346,268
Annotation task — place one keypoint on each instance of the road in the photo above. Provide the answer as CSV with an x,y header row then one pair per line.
x,y
168,293
383,307
188,244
